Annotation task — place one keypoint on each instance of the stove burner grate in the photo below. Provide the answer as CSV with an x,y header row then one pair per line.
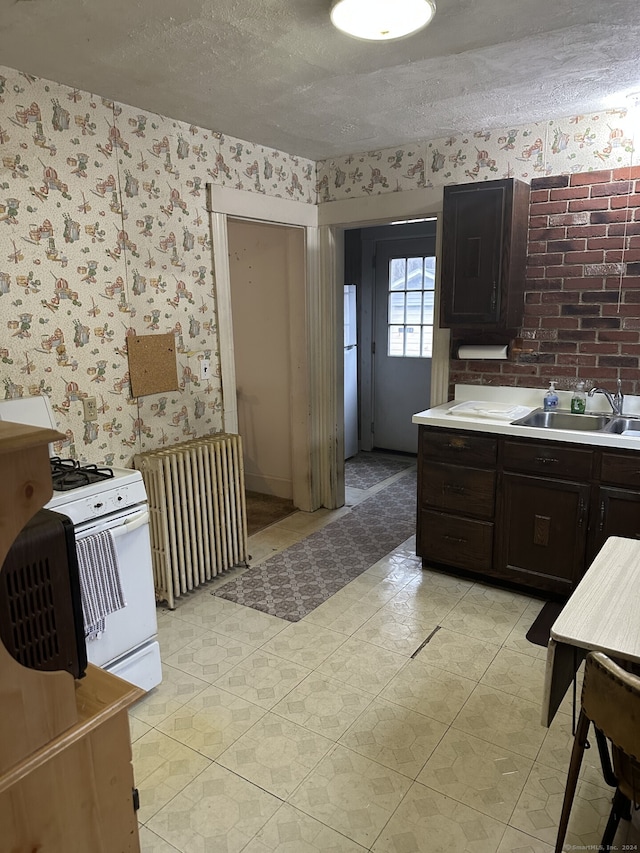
x,y
68,474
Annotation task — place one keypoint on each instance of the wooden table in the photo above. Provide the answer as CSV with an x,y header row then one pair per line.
x,y
602,614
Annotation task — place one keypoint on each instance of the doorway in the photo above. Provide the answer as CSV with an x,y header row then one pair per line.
x,y
266,266
318,469
397,276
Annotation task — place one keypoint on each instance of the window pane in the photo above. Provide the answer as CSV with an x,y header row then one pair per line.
x,y
397,269
414,274
412,341
428,298
411,307
430,273
396,307
427,341
396,341
414,307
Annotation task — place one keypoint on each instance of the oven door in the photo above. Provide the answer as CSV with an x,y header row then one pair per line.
x,y
136,624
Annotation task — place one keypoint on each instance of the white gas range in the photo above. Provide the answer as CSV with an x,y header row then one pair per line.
x,y
113,499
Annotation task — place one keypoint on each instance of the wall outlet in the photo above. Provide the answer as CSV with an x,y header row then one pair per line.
x,y
90,408
205,368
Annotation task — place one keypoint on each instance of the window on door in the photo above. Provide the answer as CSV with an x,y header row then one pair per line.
x,y
411,301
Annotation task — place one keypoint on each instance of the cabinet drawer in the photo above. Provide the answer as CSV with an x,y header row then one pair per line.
x,y
460,542
459,448
621,469
454,488
546,459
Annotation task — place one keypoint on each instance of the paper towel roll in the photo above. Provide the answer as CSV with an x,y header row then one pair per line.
x,y
471,352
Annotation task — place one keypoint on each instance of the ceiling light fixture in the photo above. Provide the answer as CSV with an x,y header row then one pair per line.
x,y
381,20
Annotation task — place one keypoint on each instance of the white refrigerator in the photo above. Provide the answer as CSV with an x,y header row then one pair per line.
x,y
350,372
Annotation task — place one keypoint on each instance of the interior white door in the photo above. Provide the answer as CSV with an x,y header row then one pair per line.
x,y
403,339
266,266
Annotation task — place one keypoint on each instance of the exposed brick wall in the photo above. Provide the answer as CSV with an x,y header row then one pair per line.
x,y
582,295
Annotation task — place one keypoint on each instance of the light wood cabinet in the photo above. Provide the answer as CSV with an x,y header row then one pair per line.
x,y
66,780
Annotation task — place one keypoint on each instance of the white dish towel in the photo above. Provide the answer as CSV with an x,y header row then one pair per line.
x,y
100,585
495,411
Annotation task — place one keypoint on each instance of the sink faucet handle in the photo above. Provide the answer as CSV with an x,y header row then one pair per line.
x,y
619,398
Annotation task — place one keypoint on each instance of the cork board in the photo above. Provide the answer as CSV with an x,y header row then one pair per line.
x,y
152,364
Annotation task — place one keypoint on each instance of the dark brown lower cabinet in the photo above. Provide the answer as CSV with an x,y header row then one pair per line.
x,y
617,514
453,488
456,499
456,541
543,525
526,511
616,509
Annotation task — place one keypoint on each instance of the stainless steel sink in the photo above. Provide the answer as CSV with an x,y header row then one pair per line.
x,y
567,420
620,424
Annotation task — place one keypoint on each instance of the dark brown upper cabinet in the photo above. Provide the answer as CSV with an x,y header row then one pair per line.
x,y
484,245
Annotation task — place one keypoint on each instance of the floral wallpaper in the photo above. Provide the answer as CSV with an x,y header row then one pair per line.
x,y
574,144
104,233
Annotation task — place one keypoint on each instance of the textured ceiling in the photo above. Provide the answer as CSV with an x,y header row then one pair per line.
x,y
276,72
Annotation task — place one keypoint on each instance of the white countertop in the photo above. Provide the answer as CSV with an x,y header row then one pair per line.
x,y
526,400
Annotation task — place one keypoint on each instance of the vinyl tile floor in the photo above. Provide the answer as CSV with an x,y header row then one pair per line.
x,y
327,736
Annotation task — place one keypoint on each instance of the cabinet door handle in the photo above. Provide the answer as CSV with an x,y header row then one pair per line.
x,y
602,515
456,539
453,487
582,511
547,460
494,295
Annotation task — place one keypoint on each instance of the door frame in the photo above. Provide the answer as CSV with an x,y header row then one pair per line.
x,y
318,428
222,204
381,210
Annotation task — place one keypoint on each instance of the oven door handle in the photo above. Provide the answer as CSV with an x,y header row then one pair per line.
x,y
131,524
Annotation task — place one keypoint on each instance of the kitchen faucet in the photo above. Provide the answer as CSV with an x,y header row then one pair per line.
x,y
616,401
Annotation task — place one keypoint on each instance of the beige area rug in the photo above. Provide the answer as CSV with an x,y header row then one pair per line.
x,y
263,510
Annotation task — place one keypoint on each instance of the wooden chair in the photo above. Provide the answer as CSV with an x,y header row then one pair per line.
x,y
611,701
